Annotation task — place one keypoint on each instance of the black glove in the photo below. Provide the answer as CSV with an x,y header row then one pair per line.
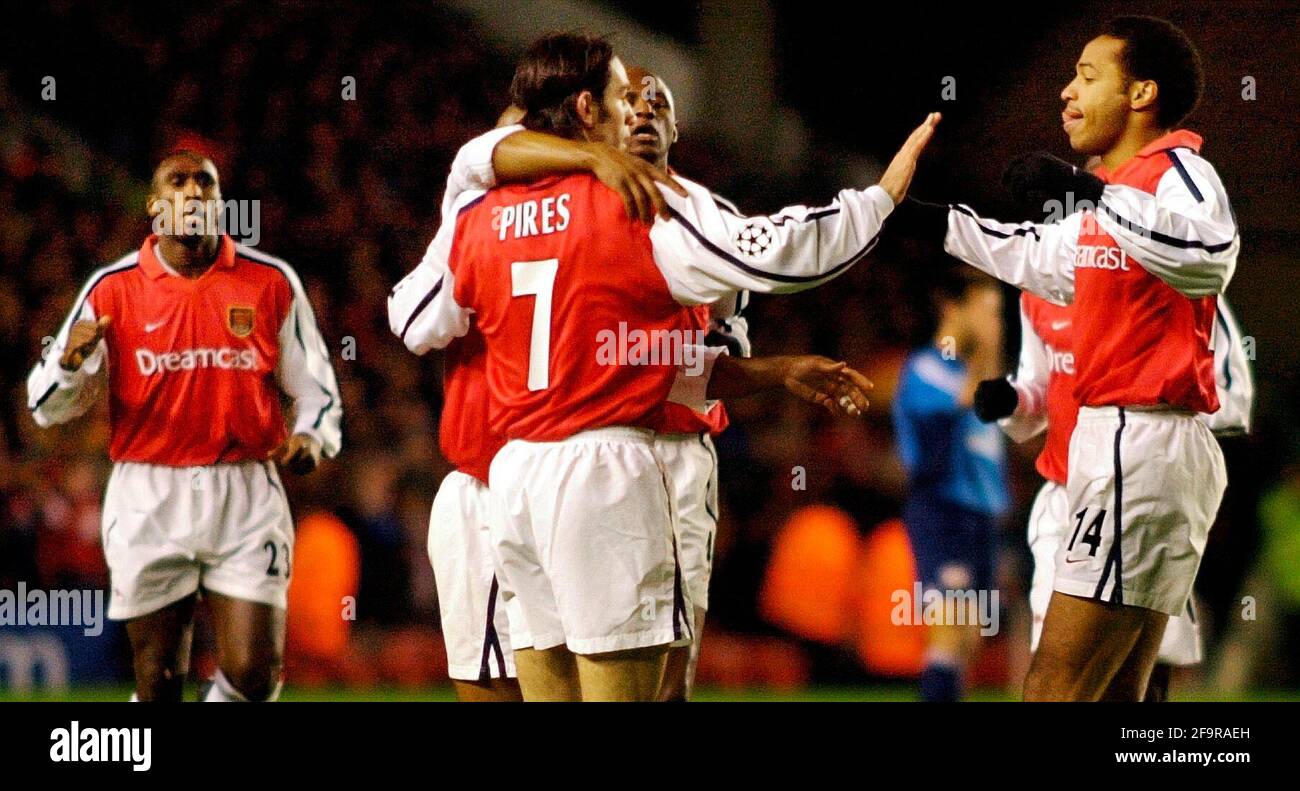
x,y
1034,179
994,399
927,220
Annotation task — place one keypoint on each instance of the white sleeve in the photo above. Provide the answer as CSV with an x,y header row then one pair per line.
x,y
306,375
472,168
55,395
1032,375
1185,234
706,251
422,311
1033,257
726,320
1233,378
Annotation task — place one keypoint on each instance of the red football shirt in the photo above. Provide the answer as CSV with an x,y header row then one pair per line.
x,y
1139,341
682,419
563,285
1053,324
192,361
464,432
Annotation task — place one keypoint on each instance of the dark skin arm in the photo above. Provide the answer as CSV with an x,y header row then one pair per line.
x,y
812,378
527,156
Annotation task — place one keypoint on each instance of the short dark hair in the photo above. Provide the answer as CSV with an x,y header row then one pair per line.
x,y
1155,49
554,70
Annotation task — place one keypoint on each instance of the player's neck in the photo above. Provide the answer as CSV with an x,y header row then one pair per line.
x,y
189,262
1133,141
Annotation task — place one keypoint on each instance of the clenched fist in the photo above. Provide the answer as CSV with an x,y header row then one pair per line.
x,y
299,454
82,340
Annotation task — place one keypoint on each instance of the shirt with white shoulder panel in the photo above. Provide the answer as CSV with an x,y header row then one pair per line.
x,y
1144,268
189,363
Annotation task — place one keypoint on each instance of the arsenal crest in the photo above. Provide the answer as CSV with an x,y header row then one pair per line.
x,y
240,320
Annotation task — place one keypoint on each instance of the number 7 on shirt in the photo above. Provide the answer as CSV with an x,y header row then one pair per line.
x,y
537,278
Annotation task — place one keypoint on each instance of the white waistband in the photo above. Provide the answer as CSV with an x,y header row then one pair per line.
x,y
617,433
1144,409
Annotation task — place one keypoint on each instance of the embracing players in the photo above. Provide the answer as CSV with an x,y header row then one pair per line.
x,y
584,532
191,335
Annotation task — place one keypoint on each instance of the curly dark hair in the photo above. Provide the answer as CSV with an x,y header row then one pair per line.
x,y
1155,49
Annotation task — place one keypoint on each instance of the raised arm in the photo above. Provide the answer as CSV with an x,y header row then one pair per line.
x,y
706,251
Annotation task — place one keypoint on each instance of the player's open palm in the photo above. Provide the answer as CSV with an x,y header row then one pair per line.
x,y
898,176
82,340
830,384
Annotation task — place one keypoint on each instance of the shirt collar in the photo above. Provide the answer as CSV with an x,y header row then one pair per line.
x,y
155,269
1179,138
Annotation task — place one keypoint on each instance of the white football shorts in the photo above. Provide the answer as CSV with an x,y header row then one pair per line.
x,y
169,531
1144,488
1047,523
692,464
474,625
584,538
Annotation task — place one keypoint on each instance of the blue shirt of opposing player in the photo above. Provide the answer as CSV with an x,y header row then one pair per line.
x,y
949,454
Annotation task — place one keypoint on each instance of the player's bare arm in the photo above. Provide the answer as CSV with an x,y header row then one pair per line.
x,y
527,156
810,377
897,178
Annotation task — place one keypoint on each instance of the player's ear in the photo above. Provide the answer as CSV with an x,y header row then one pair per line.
x,y
1142,94
586,109
674,140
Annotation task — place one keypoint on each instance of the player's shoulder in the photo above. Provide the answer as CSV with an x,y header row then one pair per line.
x,y
259,263
126,263
110,275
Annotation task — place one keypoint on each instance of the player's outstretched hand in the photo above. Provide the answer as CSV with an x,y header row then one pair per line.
x,y
634,180
995,399
833,385
1034,179
299,454
898,176
82,340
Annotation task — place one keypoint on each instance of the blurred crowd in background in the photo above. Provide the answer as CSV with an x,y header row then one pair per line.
x,y
349,193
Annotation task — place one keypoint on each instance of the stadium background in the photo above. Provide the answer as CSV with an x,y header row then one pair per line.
x,y
778,103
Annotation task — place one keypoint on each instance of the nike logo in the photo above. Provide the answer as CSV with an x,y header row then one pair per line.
x,y
155,325
1077,560
1057,326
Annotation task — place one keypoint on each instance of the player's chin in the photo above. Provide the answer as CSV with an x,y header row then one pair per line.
x,y
643,150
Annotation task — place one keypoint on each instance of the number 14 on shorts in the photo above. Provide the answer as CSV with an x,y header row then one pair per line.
x,y
1089,537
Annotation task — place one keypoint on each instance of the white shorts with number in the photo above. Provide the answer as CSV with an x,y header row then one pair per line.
x,y
692,464
474,624
1047,523
583,531
1144,488
169,531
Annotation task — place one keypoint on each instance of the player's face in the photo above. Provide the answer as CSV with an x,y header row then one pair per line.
x,y
1096,100
654,120
185,186
616,114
